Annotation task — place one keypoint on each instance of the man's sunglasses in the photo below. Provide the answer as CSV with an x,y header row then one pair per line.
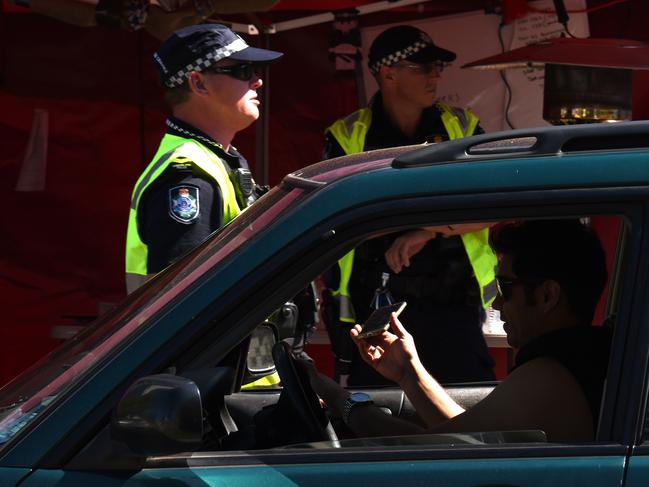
x,y
242,72
505,285
423,68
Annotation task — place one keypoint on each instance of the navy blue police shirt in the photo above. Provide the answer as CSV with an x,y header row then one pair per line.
x,y
184,205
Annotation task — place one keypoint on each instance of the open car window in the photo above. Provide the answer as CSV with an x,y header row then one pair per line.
x,y
262,418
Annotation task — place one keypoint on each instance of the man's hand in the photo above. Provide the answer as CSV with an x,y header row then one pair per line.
x,y
404,247
330,392
393,355
410,243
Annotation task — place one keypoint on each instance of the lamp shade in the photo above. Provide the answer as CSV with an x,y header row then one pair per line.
x,y
584,94
604,53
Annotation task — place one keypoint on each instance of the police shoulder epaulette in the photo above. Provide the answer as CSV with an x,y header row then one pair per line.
x,y
182,164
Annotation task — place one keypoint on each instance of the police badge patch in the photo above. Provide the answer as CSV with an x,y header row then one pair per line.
x,y
183,203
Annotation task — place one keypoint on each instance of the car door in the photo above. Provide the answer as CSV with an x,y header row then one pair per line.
x,y
514,468
533,463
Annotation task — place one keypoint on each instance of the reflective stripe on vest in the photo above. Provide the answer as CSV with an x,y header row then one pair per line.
x,y
350,131
346,310
266,381
173,149
483,261
458,122
350,134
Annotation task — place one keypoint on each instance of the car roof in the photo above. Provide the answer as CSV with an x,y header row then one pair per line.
x,y
575,156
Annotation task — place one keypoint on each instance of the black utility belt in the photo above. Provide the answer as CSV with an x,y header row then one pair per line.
x,y
437,289
418,286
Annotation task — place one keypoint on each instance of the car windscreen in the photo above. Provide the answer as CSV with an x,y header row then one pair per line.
x,y
30,394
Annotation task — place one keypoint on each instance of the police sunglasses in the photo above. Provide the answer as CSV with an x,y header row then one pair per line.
x,y
422,68
242,72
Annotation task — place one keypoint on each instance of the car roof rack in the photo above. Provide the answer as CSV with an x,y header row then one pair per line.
x,y
540,141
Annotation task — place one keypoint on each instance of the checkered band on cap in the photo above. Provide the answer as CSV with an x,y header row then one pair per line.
x,y
397,56
206,61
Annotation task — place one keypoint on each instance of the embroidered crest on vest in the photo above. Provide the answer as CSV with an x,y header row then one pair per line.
x,y
183,203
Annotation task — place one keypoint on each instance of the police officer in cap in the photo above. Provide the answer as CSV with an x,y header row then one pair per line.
x,y
451,279
197,181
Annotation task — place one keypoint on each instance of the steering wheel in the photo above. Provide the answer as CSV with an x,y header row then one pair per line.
x,y
301,395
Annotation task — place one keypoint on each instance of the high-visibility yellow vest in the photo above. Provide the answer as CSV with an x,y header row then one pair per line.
x,y
458,122
350,133
271,380
345,307
173,149
483,262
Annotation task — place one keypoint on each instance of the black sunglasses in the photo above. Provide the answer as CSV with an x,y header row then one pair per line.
x,y
505,285
242,72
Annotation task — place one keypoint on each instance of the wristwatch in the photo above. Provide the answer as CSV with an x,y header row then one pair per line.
x,y
354,400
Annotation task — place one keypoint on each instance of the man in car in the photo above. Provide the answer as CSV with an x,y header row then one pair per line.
x,y
550,275
197,181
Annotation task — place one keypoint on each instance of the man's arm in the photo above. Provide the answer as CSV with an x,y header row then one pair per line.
x,y
171,223
540,395
395,357
364,421
409,244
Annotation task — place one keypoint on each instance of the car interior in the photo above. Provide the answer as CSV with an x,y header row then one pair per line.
x,y
195,405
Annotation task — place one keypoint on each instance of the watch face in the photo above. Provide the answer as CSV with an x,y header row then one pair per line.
x,y
360,397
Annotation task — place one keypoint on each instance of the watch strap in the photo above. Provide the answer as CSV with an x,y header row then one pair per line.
x,y
351,404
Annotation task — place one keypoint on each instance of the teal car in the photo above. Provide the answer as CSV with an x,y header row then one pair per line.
x,y
151,393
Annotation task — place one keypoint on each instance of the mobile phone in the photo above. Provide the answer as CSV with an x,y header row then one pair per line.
x,y
379,320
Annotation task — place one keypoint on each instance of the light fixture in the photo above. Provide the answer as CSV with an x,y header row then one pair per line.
x,y
586,80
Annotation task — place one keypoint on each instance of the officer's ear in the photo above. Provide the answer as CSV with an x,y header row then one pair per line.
x,y
196,83
387,73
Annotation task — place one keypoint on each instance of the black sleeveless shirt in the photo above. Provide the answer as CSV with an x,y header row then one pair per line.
x,y
583,350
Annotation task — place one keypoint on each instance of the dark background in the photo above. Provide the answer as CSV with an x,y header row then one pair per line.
x,y
62,249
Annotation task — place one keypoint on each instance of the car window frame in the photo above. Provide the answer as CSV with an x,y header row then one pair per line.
x,y
349,230
636,380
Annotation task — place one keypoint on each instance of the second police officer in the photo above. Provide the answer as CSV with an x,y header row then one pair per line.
x,y
451,280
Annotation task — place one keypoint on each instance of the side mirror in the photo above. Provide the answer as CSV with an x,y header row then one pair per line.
x,y
159,415
260,351
260,368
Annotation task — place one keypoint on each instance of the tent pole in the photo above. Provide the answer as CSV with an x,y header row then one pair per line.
x,y
261,169
251,29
